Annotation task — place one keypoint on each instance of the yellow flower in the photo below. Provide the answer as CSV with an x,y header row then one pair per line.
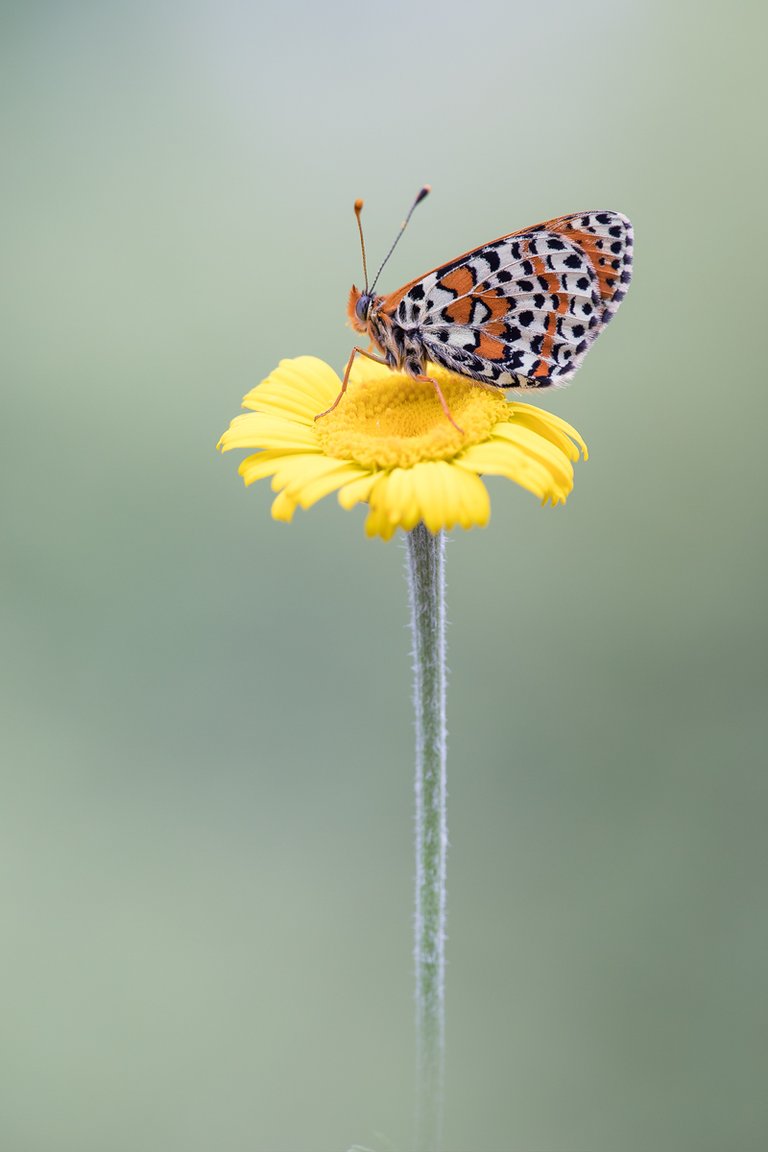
x,y
388,443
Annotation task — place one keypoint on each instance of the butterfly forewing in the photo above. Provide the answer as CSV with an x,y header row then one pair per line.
x,y
523,310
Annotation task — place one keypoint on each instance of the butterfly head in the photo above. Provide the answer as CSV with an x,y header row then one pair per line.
x,y
359,308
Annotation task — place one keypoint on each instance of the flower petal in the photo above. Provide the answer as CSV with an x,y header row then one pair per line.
x,y
429,482
283,508
259,430
473,499
298,388
397,497
439,495
299,468
434,491
357,490
540,448
558,431
503,459
378,524
315,478
261,464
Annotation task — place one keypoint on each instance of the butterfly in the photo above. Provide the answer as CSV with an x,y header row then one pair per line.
x,y
519,312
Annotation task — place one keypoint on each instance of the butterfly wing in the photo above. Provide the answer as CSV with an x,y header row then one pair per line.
x,y
522,311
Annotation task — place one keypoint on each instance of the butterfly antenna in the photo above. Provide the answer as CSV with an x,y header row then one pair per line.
x,y
358,210
425,191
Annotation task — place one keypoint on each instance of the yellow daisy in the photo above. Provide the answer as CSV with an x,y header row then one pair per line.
x,y
389,444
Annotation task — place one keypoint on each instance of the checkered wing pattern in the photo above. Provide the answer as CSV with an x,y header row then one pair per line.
x,y
522,311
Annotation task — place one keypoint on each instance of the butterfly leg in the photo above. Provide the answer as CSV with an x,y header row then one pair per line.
x,y
441,398
345,381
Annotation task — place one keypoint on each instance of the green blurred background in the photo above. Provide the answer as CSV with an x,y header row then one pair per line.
x,y
205,817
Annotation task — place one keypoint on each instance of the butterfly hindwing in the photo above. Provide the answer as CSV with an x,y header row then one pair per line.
x,y
523,310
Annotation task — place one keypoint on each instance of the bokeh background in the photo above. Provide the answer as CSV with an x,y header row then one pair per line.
x,y
205,807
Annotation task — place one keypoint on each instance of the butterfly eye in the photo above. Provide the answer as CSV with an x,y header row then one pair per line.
x,y
361,308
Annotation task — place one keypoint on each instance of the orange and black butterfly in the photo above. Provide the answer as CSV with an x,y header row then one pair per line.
x,y
519,312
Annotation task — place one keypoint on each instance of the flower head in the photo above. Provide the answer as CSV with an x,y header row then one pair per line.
x,y
388,443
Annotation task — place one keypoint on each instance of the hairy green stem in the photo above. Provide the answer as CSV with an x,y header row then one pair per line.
x,y
426,581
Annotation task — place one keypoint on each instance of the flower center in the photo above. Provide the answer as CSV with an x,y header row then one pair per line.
x,y
396,422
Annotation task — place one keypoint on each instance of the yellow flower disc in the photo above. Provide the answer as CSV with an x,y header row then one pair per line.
x,y
396,422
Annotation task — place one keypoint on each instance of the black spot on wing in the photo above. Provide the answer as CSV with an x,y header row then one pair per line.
x,y
493,258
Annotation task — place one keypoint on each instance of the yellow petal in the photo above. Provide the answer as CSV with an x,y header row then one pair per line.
x,y
500,459
378,524
299,388
357,490
314,485
436,492
547,424
538,447
474,501
260,465
429,486
283,508
396,497
299,468
259,430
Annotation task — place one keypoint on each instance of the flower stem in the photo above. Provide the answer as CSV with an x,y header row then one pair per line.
x,y
426,581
